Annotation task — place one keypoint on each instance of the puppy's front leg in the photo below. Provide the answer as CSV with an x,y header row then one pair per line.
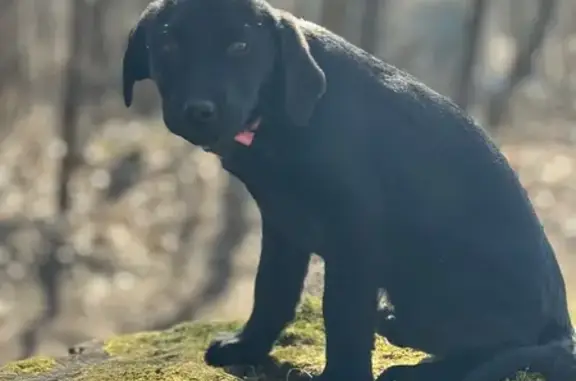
x,y
350,301
281,273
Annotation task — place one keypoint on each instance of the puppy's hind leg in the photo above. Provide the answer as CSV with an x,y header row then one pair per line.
x,y
556,361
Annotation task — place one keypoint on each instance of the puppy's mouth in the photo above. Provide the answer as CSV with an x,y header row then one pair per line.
x,y
246,136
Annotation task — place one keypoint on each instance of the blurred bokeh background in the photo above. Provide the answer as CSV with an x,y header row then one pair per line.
x,y
109,224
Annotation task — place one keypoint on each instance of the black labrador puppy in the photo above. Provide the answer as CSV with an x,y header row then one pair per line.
x,y
392,184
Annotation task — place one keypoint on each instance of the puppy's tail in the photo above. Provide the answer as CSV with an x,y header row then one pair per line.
x,y
555,360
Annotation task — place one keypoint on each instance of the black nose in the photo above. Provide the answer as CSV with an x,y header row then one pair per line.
x,y
200,111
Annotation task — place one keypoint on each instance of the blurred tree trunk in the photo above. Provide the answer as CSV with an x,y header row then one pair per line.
x,y
99,55
521,14
69,113
370,35
50,268
472,42
334,15
9,48
13,82
523,65
99,64
98,51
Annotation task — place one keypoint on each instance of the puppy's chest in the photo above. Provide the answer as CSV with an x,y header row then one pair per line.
x,y
293,193
289,203
297,219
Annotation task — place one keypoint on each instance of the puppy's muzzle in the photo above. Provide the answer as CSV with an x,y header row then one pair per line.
x,y
200,112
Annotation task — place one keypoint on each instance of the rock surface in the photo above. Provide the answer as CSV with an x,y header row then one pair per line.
x,y
176,355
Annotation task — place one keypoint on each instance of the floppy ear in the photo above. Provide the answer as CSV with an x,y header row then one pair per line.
x,y
305,82
135,63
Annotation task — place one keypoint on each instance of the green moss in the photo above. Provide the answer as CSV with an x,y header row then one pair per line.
x,y
523,376
177,355
32,366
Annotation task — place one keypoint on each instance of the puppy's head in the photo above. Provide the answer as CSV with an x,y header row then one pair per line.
x,y
209,60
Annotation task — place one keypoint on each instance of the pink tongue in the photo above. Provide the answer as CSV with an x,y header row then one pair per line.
x,y
245,138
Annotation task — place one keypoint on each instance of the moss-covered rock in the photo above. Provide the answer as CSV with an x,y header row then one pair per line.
x,y
31,366
177,355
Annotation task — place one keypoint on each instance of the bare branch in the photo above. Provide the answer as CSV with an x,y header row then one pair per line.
x,y
472,39
523,64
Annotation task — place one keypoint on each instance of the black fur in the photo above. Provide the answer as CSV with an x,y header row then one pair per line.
x,y
393,185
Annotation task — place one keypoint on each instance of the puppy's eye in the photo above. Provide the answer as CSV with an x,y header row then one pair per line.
x,y
238,48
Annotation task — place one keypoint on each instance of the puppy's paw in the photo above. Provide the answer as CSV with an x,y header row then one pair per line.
x,y
232,349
